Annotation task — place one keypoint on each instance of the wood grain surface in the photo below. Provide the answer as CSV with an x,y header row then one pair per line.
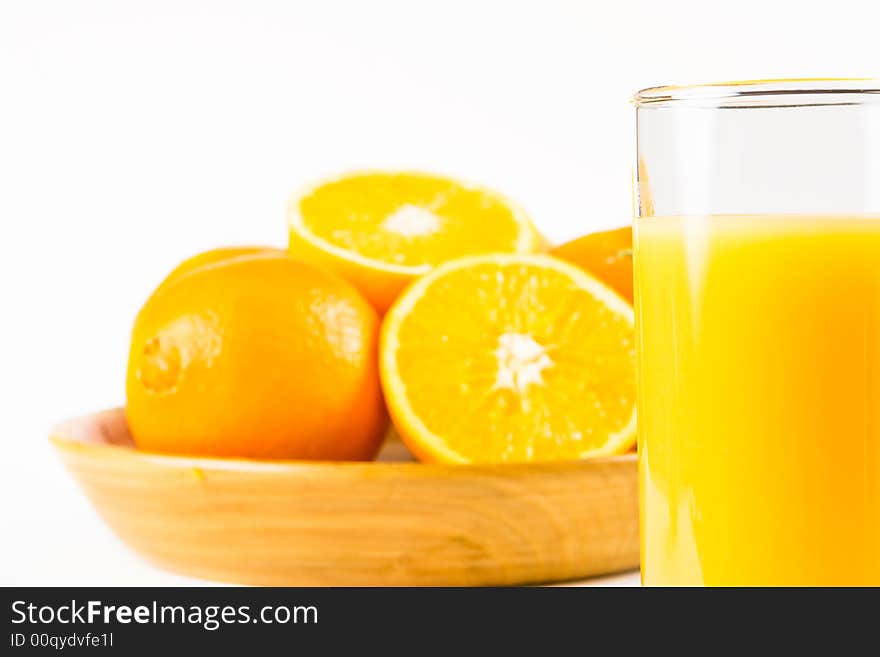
x,y
388,523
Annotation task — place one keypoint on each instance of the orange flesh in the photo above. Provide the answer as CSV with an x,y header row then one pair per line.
x,y
409,220
525,360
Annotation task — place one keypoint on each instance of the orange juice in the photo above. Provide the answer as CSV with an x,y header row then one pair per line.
x,y
759,399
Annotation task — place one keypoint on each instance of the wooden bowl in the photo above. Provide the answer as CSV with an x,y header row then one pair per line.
x,y
291,523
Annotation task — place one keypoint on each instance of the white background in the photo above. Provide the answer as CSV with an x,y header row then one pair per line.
x,y
133,134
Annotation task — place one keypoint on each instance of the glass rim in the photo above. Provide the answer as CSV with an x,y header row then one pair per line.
x,y
782,92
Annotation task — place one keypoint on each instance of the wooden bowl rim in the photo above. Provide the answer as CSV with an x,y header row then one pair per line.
x,y
95,446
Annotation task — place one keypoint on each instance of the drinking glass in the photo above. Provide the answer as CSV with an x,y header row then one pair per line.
x,y
757,295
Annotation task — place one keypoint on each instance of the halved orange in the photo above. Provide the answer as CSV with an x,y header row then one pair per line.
x,y
380,230
510,358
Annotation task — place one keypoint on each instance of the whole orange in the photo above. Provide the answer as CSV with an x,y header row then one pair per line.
x,y
259,356
607,255
218,255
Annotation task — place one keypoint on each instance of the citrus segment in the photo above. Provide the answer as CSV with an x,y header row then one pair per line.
x,y
510,358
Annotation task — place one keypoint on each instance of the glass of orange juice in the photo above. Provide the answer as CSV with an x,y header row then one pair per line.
x,y
757,293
